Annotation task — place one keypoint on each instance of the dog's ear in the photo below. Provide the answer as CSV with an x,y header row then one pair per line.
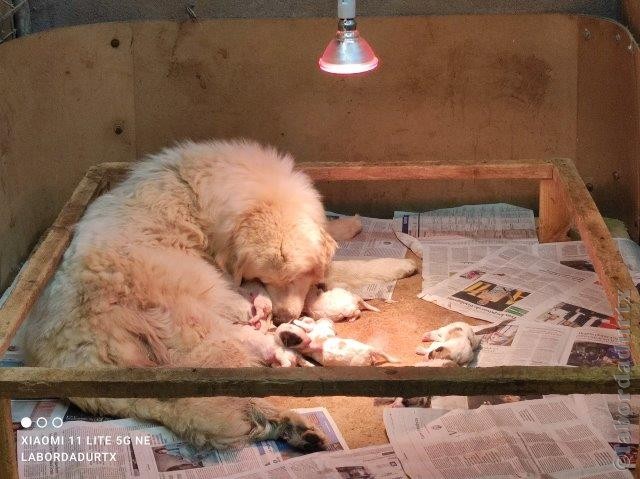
x,y
233,264
329,247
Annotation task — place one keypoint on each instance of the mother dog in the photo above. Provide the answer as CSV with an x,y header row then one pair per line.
x,y
151,274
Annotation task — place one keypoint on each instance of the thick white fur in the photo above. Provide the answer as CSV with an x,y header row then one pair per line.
x,y
318,341
454,342
150,279
138,285
336,304
354,273
344,228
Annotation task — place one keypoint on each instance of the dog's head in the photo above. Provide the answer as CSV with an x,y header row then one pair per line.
x,y
285,249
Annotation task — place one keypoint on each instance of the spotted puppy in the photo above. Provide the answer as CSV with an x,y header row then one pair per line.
x,y
454,342
326,348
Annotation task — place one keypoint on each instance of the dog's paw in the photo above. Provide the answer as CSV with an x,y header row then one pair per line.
x,y
402,268
262,310
302,434
344,228
287,358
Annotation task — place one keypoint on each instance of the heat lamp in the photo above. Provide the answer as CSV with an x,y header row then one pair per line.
x,y
348,52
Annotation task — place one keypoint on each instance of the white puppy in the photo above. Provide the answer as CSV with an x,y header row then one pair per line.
x,y
257,294
329,350
449,331
335,304
454,342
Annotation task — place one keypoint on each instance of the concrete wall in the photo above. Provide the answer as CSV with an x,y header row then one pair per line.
x,y
47,14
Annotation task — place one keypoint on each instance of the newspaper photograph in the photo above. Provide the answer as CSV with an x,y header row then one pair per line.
x,y
515,439
442,260
174,458
490,221
374,462
527,343
511,284
615,420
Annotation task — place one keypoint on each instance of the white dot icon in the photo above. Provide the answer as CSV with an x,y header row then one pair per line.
x,y
25,422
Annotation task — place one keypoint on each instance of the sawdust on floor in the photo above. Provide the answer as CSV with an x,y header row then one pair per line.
x,y
397,329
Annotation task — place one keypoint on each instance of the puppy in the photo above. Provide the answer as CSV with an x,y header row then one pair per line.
x,y
330,350
335,304
257,295
455,342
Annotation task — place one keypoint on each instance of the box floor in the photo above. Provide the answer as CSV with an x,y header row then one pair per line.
x,y
398,329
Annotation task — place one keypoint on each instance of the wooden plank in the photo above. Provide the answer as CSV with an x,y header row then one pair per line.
x,y
66,70
612,272
428,171
8,455
305,382
609,158
42,263
554,216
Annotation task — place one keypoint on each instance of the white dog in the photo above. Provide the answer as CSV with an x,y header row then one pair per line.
x,y
149,279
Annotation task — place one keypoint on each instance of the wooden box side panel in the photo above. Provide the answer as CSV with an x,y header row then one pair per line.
x,y
608,158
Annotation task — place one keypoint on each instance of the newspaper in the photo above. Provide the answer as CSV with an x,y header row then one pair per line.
x,y
527,343
376,240
129,448
174,458
443,259
616,419
518,439
511,284
491,221
575,255
374,462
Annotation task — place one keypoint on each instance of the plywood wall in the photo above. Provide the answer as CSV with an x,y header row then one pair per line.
x,y
448,88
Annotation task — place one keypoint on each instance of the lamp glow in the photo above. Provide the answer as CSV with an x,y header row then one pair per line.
x,y
348,52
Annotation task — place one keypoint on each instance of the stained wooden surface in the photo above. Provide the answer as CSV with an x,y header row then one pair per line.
x,y
464,88
8,457
607,146
302,382
607,261
42,263
58,107
555,215
27,382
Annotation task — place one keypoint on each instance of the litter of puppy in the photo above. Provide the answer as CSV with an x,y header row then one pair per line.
x,y
326,348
